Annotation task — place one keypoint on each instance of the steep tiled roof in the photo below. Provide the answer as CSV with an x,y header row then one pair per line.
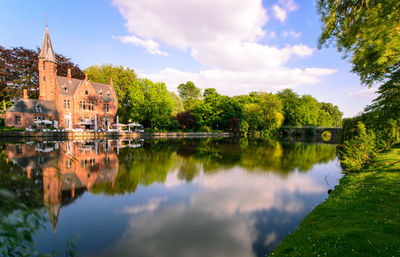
x,y
106,94
69,88
34,106
47,52
66,87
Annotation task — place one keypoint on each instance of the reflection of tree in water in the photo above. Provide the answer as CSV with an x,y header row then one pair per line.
x,y
151,163
21,203
145,166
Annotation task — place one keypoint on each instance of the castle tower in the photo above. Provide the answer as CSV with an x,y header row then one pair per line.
x,y
47,66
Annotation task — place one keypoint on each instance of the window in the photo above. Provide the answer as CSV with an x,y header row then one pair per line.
x,y
106,108
92,163
38,108
17,120
37,118
91,106
86,92
68,163
82,105
66,103
18,148
44,78
44,67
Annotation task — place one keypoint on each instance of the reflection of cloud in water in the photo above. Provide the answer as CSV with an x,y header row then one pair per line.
x,y
218,220
181,231
151,206
172,180
271,238
246,192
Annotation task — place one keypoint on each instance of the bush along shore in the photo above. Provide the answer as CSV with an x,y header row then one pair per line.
x,y
361,217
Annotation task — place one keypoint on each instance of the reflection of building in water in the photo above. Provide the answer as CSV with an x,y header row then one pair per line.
x,y
68,169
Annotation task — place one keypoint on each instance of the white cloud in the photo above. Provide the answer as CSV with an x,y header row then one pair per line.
x,y
289,5
282,9
221,36
185,24
150,206
280,13
291,33
235,82
363,92
150,45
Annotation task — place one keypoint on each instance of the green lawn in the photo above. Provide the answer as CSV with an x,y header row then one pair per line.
x,y
361,217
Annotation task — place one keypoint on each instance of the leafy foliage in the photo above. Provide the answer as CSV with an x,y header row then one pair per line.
x,y
19,70
124,81
369,30
359,150
189,94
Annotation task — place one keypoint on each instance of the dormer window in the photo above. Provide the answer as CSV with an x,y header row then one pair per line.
x,y
108,93
65,89
100,92
38,108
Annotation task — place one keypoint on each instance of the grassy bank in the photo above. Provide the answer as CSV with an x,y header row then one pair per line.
x,y
361,217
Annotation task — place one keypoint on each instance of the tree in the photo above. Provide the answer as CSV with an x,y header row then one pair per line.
x,y
292,111
152,105
369,30
20,71
334,113
186,120
124,80
190,95
178,104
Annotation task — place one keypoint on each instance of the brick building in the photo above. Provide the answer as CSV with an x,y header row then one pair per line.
x,y
67,169
70,103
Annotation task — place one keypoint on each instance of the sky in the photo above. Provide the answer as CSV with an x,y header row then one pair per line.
x,y
234,46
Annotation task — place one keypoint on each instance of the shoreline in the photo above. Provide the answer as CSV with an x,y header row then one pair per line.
x,y
357,219
71,135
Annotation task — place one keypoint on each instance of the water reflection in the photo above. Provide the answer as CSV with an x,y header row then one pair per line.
x,y
213,197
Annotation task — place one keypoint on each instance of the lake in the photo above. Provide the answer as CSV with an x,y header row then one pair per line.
x,y
178,197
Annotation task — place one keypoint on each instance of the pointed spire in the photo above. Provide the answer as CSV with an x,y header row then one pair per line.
x,y
47,52
53,210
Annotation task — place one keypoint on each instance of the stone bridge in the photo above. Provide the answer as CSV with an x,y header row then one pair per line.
x,y
312,133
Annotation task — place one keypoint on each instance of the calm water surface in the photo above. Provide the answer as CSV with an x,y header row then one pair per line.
x,y
211,197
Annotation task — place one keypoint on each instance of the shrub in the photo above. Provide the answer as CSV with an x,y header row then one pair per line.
x,y
359,150
244,127
187,120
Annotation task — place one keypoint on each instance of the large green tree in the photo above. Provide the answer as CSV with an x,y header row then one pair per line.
x,y
153,106
124,80
369,30
190,95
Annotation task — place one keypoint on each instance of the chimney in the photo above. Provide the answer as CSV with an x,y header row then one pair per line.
x,y
111,82
86,78
69,74
25,94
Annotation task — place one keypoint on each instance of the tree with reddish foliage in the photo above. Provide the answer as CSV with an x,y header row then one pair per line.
x,y
19,70
234,125
187,120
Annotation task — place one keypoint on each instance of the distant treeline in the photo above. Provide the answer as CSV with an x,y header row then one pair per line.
x,y
149,103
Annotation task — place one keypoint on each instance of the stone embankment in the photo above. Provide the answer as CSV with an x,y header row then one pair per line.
x,y
67,135
185,134
74,135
